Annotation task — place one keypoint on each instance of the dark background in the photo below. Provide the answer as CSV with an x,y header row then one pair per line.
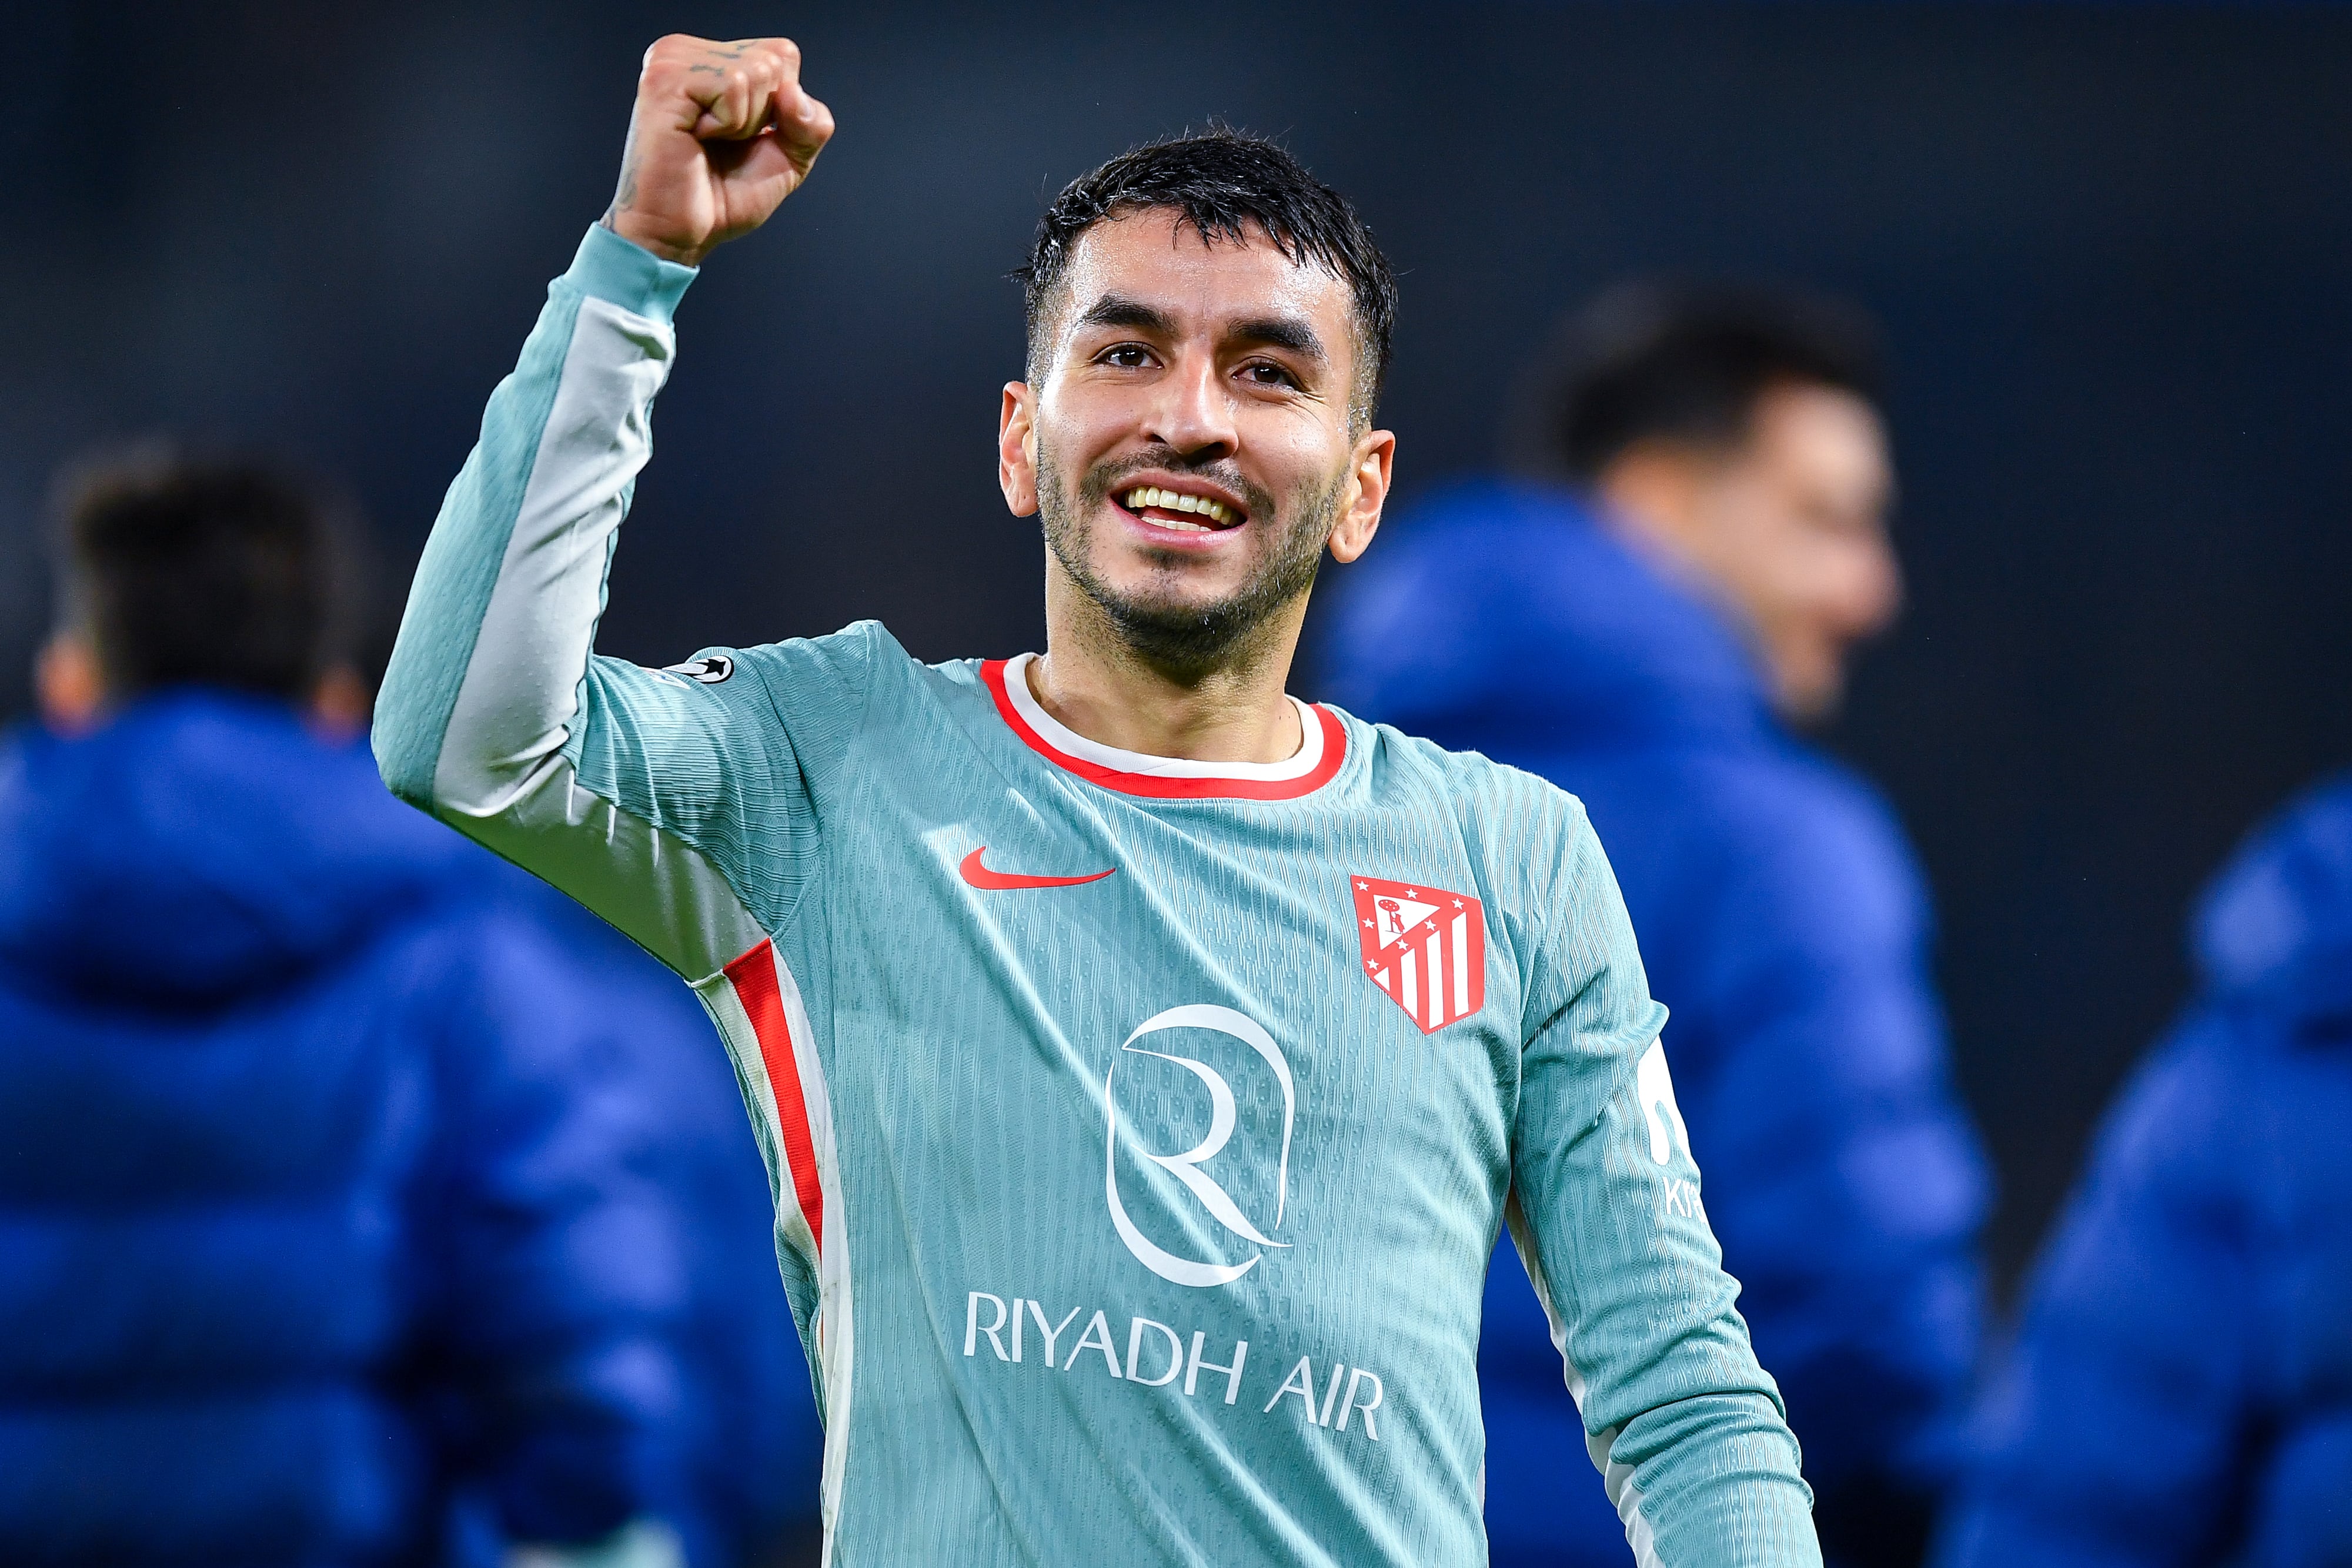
x,y
2112,244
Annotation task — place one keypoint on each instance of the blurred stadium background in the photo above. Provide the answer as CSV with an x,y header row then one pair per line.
x,y
2111,246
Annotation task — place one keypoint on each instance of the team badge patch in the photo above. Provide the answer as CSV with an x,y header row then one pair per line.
x,y
1425,946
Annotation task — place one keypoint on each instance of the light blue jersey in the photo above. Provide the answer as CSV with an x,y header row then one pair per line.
x,y
1140,1128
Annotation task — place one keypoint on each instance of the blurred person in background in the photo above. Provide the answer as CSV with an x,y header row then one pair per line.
x,y
2180,1391
1694,544
342,1216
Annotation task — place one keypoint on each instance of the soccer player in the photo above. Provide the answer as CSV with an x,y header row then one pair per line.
x,y
1146,1059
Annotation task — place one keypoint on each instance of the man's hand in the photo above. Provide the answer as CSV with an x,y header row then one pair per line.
x,y
721,135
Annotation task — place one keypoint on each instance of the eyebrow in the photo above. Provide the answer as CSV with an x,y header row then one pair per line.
x,y
1117,310
1281,332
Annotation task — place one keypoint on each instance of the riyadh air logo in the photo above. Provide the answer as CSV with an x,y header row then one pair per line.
x,y
1186,1167
1425,946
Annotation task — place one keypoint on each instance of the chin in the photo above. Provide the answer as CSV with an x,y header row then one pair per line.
x,y
1176,588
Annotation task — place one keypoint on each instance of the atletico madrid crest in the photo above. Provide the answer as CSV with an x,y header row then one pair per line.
x,y
1425,946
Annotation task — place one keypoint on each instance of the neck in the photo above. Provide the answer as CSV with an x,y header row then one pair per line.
x,y
1669,551
1231,710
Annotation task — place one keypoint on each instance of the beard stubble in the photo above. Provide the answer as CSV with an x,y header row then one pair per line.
x,y
1165,629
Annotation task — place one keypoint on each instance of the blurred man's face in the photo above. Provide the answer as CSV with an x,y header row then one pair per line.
x,y
1790,529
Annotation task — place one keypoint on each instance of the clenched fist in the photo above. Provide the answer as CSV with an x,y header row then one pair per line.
x,y
721,135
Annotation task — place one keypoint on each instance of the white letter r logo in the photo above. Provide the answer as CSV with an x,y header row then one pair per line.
x,y
1186,1167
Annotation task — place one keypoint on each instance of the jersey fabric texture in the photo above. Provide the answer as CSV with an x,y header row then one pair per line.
x,y
1139,1218
2196,1293
326,1235
1784,920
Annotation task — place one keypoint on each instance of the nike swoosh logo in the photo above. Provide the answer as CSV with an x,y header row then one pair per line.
x,y
988,881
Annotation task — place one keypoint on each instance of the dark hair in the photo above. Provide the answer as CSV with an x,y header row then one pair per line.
x,y
1220,181
1684,362
226,573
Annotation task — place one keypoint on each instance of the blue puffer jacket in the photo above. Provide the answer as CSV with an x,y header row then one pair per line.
x,y
326,1234
1782,923
2180,1392
748,1432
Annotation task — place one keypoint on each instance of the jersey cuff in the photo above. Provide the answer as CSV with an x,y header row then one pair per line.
x,y
618,272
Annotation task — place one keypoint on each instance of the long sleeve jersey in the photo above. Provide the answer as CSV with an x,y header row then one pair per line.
x,y
1140,1127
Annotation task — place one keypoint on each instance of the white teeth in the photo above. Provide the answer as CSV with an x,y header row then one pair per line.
x,y
1144,495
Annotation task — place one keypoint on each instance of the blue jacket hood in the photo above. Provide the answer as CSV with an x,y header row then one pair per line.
x,y
1509,610
2275,931
142,869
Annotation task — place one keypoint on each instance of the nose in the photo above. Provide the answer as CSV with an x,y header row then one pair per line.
x,y
1191,412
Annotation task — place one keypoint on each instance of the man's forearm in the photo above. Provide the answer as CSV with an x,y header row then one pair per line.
x,y
482,691
496,716
1710,1481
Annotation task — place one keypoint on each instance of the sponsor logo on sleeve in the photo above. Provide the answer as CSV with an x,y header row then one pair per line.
x,y
1654,1088
708,671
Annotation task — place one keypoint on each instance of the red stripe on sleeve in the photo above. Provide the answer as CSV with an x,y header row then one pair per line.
x,y
753,976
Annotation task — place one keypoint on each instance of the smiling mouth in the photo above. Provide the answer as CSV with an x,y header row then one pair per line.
x,y
1178,512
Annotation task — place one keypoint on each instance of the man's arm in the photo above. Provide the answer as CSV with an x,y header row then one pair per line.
x,y
1686,1428
614,783
551,1271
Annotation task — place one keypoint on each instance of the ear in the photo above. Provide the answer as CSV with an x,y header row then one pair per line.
x,y
1654,491
67,684
340,705
1368,492
1016,448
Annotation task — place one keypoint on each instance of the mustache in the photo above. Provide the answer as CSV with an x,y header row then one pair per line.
x,y
1102,479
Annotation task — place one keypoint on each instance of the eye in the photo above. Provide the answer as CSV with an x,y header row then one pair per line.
x,y
1125,357
1267,373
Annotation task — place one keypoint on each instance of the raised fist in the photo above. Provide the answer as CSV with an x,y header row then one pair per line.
x,y
721,135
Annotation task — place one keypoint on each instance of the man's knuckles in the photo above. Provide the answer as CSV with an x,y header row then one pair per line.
x,y
683,50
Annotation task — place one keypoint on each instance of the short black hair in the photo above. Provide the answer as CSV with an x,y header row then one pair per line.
x,y
1681,362
222,572
1220,181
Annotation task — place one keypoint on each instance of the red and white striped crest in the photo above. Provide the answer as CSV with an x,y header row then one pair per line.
x,y
1425,946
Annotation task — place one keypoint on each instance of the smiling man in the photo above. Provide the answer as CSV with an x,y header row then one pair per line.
x,y
1145,1060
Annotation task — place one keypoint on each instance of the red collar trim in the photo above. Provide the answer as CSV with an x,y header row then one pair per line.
x,y
1168,787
